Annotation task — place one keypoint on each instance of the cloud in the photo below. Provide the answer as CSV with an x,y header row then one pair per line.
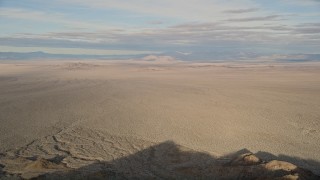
x,y
19,13
303,2
174,37
262,18
194,25
183,34
239,11
199,10
49,17
308,30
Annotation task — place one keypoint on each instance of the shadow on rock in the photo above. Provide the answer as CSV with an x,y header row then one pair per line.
x,y
168,160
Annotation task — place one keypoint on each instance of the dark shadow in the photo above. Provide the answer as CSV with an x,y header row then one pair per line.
x,y
1,170
309,164
168,160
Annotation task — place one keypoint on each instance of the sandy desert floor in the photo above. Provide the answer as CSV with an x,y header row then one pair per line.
x,y
158,120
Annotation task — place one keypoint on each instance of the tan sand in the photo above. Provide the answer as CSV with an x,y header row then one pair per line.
x,y
70,115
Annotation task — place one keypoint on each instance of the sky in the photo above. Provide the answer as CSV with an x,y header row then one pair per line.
x,y
131,27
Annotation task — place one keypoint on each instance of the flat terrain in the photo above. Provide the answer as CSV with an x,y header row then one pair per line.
x,y
80,113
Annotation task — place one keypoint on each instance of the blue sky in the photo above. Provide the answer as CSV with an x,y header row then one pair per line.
x,y
109,27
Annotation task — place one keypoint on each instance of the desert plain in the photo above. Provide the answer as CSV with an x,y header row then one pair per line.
x,y
159,119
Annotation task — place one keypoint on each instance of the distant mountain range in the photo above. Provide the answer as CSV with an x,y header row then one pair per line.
x,y
234,56
187,56
43,55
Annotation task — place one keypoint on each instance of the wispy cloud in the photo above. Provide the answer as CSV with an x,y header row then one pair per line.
x,y
239,11
262,18
155,22
184,34
184,10
167,25
49,17
18,13
303,2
